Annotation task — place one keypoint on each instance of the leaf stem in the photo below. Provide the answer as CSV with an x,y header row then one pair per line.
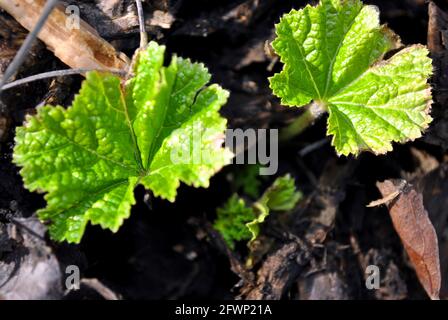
x,y
312,112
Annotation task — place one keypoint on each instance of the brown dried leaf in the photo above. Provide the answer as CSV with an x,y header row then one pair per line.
x,y
416,231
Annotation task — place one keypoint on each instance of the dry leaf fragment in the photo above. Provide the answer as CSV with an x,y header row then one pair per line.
x,y
162,19
389,197
411,221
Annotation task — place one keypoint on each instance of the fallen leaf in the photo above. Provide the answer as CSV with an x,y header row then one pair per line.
x,y
411,221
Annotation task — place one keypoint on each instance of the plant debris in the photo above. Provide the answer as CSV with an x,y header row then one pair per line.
x,y
416,231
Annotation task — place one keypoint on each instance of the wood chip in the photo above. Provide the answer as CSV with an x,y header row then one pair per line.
x,y
77,47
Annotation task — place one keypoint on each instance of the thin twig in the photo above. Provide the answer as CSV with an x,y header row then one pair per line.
x,y
58,73
141,21
312,147
26,46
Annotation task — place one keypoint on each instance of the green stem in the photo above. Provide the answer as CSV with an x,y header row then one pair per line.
x,y
312,112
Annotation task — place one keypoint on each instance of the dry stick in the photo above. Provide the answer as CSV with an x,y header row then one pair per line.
x,y
311,147
141,21
78,47
58,73
23,51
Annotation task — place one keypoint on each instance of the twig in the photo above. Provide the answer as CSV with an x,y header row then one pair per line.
x,y
389,197
24,49
58,73
312,147
141,21
101,289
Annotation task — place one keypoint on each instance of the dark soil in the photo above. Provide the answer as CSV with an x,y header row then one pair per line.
x,y
169,251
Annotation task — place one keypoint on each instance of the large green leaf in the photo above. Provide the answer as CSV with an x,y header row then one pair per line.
x,y
90,157
332,55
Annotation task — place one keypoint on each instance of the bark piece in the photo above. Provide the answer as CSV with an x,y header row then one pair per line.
x,y
326,285
277,273
331,191
393,286
411,221
29,269
113,19
437,44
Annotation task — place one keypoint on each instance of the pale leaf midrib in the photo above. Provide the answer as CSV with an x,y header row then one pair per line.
x,y
333,60
128,121
152,151
294,40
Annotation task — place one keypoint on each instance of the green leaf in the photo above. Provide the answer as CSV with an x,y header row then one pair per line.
x,y
89,157
232,219
236,221
332,55
282,195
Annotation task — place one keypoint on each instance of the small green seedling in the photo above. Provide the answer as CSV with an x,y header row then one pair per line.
x,y
333,57
119,134
236,221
